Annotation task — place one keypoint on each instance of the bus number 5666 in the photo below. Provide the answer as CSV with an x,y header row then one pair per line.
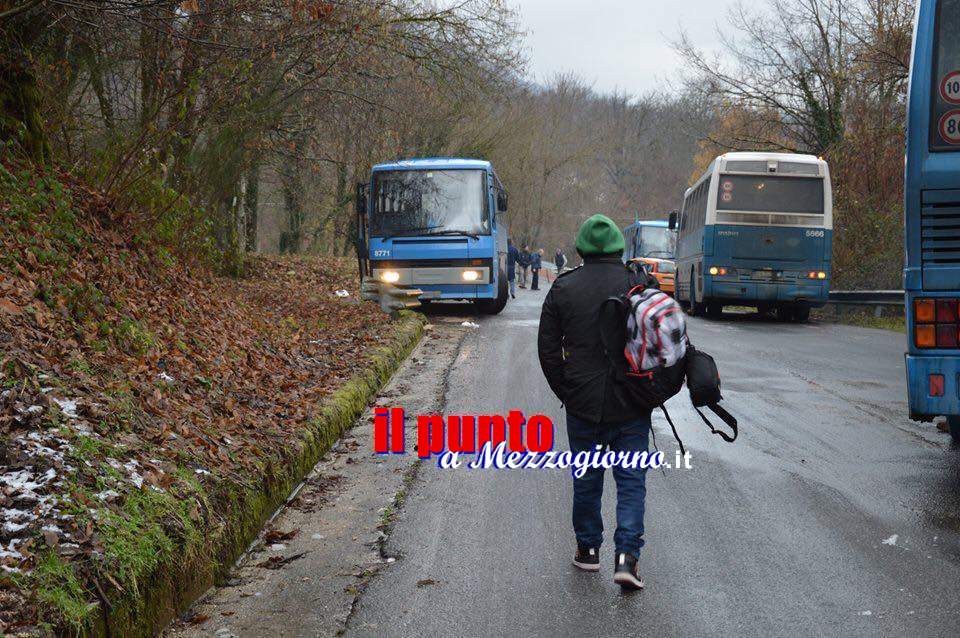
x,y
815,233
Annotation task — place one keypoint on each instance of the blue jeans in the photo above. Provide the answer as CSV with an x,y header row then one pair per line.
x,y
631,483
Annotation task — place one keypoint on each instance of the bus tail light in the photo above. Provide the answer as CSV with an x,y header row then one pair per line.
x,y
946,310
925,310
946,335
937,323
925,336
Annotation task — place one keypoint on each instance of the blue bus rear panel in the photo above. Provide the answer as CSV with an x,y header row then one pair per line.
x,y
767,264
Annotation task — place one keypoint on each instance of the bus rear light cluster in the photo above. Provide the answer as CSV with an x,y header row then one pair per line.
x,y
814,274
937,323
720,270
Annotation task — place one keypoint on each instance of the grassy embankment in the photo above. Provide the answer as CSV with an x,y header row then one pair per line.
x,y
153,413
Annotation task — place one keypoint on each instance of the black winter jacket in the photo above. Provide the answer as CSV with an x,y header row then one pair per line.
x,y
571,354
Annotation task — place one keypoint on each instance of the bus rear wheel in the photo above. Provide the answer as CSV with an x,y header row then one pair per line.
x,y
953,424
714,310
697,308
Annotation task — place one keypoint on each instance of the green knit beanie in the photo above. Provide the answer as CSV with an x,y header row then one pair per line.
x,y
599,236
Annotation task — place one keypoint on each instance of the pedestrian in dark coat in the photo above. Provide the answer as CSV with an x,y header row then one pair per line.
x,y
599,413
536,263
524,265
513,257
559,260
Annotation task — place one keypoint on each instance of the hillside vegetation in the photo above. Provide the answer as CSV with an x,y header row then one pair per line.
x,y
142,394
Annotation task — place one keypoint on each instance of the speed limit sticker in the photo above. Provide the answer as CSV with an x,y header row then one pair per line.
x,y
727,197
728,186
950,127
950,88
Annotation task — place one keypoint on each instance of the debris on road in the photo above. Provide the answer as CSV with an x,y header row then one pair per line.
x,y
276,562
470,324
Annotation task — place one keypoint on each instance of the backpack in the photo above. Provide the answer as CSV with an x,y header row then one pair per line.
x,y
644,336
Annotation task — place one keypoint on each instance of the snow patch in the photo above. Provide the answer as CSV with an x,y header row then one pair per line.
x,y
68,407
470,324
341,293
892,541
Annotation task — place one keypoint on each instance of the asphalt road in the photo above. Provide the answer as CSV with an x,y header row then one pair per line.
x,y
833,514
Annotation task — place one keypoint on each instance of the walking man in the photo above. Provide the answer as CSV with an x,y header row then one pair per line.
x,y
598,412
513,256
559,260
536,263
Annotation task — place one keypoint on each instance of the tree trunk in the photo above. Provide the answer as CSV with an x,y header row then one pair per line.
x,y
20,119
251,204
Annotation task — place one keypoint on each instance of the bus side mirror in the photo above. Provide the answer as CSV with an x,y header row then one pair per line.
x,y
502,201
361,199
673,220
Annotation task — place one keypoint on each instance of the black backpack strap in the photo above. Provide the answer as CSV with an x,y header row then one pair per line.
x,y
725,416
663,409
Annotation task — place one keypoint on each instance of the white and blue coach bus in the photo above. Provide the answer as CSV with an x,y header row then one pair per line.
x,y
756,230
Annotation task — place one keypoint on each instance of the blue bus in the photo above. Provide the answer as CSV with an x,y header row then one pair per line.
x,y
756,230
651,239
653,244
436,227
932,212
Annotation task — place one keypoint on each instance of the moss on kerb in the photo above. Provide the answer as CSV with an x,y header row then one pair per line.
x,y
242,511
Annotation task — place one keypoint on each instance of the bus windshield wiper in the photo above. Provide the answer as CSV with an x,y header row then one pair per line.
x,y
410,231
465,233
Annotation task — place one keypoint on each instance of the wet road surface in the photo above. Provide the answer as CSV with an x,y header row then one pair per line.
x,y
833,514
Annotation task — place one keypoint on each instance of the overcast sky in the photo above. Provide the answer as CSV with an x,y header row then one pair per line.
x,y
614,44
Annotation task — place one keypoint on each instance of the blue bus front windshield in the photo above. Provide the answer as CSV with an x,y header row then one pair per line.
x,y
656,241
427,202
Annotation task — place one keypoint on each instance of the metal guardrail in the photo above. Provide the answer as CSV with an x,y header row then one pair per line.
x,y
879,299
867,297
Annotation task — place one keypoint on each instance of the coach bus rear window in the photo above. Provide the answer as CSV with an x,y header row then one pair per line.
x,y
945,120
768,194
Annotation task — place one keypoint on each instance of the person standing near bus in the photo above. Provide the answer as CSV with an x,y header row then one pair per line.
x,y
524,265
559,260
536,263
513,258
598,414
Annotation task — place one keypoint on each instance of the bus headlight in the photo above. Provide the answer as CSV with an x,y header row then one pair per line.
x,y
470,275
390,276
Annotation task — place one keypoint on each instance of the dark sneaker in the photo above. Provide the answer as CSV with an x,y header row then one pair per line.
x,y
587,558
626,573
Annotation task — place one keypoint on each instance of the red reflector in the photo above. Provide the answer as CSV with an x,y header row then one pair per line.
x,y
946,310
946,335
936,385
